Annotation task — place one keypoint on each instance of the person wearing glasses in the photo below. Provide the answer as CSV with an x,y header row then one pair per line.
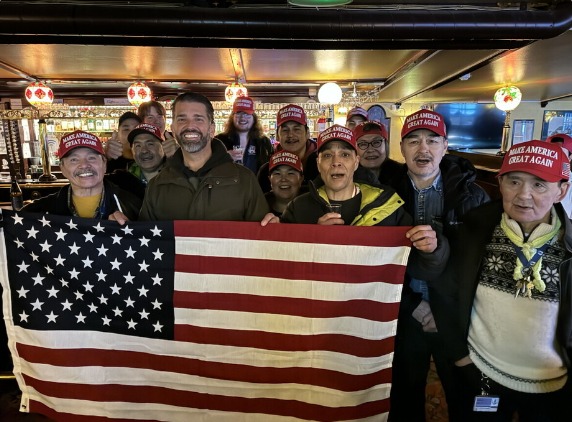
x,y
438,189
373,150
154,113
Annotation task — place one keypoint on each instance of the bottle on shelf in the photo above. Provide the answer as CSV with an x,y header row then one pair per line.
x,y
16,197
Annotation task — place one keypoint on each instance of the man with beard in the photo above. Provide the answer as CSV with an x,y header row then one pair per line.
x,y
243,136
83,163
373,150
201,181
147,149
438,190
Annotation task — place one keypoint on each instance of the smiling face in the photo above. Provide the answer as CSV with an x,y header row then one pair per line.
x,y
191,126
337,162
285,182
528,199
292,137
148,152
371,150
84,168
423,151
242,121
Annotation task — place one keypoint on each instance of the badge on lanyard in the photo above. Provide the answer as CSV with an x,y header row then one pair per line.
x,y
486,404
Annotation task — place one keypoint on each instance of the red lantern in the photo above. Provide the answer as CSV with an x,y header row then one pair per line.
x,y
39,94
138,93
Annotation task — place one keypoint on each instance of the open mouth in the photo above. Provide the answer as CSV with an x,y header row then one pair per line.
x,y
337,175
85,174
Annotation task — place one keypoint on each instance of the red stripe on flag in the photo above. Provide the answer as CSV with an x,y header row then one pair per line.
x,y
288,342
335,235
342,273
185,399
309,308
215,370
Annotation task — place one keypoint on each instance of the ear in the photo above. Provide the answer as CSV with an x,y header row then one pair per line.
x,y
563,191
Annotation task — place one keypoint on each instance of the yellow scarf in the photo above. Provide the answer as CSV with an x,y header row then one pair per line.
x,y
541,234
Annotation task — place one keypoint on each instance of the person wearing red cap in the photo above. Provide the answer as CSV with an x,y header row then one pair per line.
x,y
356,116
146,146
243,136
293,135
286,178
201,181
88,195
373,150
438,189
512,284
565,141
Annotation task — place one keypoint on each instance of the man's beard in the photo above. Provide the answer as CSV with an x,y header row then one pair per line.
x,y
194,145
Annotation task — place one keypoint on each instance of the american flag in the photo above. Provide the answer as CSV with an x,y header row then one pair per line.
x,y
195,320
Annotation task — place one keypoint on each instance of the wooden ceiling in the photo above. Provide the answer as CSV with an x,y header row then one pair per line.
x,y
78,62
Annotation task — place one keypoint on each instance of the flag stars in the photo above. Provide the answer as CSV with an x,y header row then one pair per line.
x,y
59,260
156,231
18,219
102,250
129,278
143,291
53,292
127,230
116,239
23,317
74,273
88,237
103,300
67,305
101,275
23,267
45,222
99,228
143,266
129,302
45,246
32,233
49,269
92,307
19,243
80,318
87,262
144,314
38,279
64,282
131,324
78,295
115,289
115,264
157,280
118,312
106,321
52,317
158,327
144,241
71,224
88,287
130,252
22,292
158,254
61,235
156,304
74,249
37,305
34,257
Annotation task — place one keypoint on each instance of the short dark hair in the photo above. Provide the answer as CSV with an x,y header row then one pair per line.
x,y
194,97
128,116
146,106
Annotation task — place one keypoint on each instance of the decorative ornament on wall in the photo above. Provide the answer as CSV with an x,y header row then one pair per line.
x,y
233,91
39,94
138,93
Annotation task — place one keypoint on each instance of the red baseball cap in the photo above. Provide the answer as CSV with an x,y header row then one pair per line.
x,y
424,119
243,104
78,139
561,137
541,159
337,133
285,158
357,111
291,112
144,128
370,128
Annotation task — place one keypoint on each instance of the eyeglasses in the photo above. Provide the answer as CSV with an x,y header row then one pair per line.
x,y
365,145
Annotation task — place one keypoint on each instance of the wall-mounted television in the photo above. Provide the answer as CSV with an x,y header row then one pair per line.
x,y
472,125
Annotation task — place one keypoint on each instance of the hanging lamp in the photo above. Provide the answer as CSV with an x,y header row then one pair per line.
x,y
138,93
39,94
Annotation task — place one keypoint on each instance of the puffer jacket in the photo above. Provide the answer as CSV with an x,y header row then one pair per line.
x,y
57,203
221,190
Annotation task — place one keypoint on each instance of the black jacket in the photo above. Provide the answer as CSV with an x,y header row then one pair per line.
x,y
263,150
57,203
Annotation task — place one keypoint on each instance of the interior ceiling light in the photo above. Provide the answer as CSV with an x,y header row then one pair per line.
x,y
39,94
330,93
507,98
319,3
234,90
138,93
